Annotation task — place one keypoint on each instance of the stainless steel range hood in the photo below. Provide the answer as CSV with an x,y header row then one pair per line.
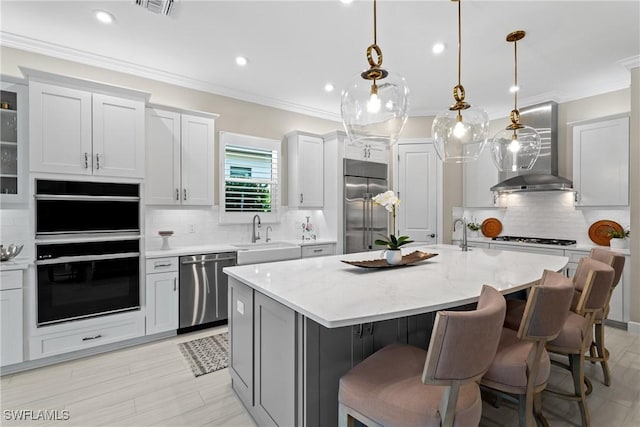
x,y
544,174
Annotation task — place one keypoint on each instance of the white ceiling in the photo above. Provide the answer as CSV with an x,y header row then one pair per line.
x,y
573,49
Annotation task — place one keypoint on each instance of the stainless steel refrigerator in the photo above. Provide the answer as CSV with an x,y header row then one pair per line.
x,y
364,220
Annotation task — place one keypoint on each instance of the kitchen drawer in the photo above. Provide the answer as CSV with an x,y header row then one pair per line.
x,y
162,265
575,256
80,339
318,250
11,279
529,249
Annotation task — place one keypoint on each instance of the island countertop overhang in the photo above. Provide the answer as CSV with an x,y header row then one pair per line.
x,y
335,294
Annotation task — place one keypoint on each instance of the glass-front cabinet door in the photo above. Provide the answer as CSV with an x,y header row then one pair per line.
x,y
13,138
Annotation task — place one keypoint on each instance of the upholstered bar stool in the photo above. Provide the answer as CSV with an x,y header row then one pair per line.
x,y
598,352
402,385
593,279
521,365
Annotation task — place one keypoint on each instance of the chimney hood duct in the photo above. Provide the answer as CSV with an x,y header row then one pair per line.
x,y
543,176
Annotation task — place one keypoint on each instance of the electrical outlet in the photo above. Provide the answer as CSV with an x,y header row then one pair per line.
x,y
192,228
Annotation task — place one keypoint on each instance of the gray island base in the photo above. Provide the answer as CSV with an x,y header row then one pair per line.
x,y
296,327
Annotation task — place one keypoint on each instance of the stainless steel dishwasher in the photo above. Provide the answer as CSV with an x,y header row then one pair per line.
x,y
203,289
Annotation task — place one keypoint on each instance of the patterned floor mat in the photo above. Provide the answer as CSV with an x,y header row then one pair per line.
x,y
208,354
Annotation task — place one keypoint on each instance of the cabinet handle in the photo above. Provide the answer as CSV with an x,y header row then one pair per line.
x,y
92,338
86,160
359,333
175,284
370,328
576,197
301,197
317,250
432,235
97,160
177,194
161,265
495,198
184,194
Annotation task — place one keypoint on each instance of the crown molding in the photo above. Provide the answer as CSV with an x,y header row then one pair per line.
x,y
631,62
49,49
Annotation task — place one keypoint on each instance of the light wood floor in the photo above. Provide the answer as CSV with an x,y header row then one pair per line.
x,y
152,385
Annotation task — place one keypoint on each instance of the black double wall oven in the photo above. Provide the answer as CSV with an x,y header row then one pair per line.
x,y
87,249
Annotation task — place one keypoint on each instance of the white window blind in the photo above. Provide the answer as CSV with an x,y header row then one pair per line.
x,y
249,178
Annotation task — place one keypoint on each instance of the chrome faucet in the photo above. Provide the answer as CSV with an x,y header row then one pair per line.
x,y
255,236
462,221
267,239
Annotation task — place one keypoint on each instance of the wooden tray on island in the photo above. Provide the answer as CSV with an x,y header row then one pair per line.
x,y
412,258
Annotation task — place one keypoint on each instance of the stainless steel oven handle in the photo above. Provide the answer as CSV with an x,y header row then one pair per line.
x,y
207,260
69,197
67,259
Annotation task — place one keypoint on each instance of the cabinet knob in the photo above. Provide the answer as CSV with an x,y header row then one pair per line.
x,y
432,235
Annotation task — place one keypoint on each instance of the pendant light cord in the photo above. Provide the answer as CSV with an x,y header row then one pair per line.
x,y
375,23
515,56
459,41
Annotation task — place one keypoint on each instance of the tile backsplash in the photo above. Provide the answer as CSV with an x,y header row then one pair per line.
x,y
548,214
201,226
16,227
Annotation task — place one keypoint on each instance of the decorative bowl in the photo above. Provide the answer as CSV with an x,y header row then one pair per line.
x,y
8,252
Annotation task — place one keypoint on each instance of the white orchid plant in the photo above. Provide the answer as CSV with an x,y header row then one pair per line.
x,y
390,202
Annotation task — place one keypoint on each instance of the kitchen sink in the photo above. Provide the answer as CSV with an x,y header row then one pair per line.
x,y
255,253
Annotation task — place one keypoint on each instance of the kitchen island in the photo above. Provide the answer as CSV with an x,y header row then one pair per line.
x,y
296,327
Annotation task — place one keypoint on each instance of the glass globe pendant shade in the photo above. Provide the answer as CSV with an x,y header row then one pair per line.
x,y
375,111
459,136
514,150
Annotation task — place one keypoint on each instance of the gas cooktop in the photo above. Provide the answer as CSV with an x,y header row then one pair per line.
x,y
538,240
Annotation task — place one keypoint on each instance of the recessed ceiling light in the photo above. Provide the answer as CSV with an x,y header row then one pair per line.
x,y
514,89
104,17
346,1
438,48
329,87
241,61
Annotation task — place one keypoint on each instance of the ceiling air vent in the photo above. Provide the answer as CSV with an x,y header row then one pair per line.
x,y
163,7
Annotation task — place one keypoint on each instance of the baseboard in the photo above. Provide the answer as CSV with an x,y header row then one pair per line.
x,y
633,328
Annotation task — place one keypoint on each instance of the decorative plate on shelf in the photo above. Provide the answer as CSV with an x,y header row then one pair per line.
x,y
412,258
599,231
491,227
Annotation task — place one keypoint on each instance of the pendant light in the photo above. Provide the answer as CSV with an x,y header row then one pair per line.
x,y
460,133
516,147
375,105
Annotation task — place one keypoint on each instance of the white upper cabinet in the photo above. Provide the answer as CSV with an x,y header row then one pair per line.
x,y
13,142
118,136
76,131
180,158
601,162
306,170
367,152
478,177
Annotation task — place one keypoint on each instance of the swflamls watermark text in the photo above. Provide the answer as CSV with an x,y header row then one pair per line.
x,y
36,414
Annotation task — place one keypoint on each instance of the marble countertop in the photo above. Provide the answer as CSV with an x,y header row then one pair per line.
x,y
19,263
576,247
214,248
336,294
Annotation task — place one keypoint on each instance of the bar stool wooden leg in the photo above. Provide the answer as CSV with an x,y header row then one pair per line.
x,y
575,363
603,354
537,410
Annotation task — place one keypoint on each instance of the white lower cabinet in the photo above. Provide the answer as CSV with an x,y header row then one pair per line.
x,y
162,295
11,317
84,334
